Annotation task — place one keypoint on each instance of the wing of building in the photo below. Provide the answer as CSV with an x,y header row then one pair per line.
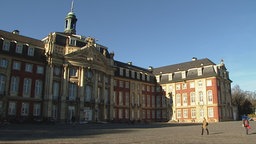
x,y
67,77
198,89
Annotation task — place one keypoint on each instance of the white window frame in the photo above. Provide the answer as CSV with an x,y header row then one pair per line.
x,y
16,65
37,109
31,51
178,113
19,48
24,109
2,83
178,99
14,85
192,85
210,112
3,63
12,108
6,45
210,96
40,69
209,82
28,67
39,88
193,113
185,113
56,90
27,87
72,93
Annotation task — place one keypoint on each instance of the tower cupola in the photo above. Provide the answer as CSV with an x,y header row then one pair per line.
x,y
70,21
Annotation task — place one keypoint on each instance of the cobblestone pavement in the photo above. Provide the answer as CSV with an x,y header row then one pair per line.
x,y
160,133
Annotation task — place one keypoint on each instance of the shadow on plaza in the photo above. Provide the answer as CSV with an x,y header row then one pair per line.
x,y
19,132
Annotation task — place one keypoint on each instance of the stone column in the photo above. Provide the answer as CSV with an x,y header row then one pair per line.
x,y
64,92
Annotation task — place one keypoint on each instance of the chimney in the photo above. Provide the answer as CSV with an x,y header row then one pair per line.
x,y
17,32
194,58
129,63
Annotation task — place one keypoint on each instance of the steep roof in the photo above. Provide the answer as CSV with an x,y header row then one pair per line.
x,y
22,39
183,66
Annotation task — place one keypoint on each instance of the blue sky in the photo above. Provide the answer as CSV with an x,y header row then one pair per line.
x,y
152,32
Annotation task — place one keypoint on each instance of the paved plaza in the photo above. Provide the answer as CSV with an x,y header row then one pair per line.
x,y
160,133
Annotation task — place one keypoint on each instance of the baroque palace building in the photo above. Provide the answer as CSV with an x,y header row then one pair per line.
x,y
198,89
69,77
66,77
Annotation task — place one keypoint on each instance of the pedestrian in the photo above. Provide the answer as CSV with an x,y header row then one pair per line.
x,y
204,127
246,124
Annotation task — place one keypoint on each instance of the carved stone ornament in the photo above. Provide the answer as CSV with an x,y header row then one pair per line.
x,y
90,41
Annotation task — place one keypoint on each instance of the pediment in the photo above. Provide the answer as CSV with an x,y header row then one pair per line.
x,y
86,54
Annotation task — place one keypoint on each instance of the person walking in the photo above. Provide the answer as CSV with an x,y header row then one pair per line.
x,y
246,124
204,127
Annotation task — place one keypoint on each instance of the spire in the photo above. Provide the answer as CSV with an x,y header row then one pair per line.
x,y
72,6
70,21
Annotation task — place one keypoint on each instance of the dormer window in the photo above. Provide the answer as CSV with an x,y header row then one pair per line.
x,y
170,76
199,71
183,74
30,51
6,46
19,48
72,42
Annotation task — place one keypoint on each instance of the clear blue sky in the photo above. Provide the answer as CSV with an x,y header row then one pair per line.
x,y
152,32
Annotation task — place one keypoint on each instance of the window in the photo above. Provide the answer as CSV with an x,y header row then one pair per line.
x,y
39,88
177,86
127,73
30,51
28,67
183,74
72,42
54,111
201,97
184,86
201,113
192,98
133,74
142,76
27,87
121,84
16,65
185,99
19,48
56,70
3,63
24,109
138,75
73,72
199,71
208,82
40,70
72,93
88,93
14,85
56,90
192,84
127,85
37,109
193,113
157,78
121,71
200,83
89,74
120,98
6,46
210,112
178,100
2,83
178,113
185,113
12,108
210,97
170,76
